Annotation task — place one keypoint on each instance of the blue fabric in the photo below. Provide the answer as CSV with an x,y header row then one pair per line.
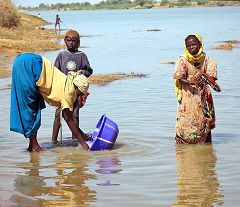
x,y
26,101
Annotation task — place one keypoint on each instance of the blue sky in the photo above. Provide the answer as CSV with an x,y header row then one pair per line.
x,y
37,2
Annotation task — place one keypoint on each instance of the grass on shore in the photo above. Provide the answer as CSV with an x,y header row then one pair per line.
x,y
28,36
8,14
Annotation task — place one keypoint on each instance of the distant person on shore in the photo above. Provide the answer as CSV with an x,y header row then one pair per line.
x,y
75,60
195,73
35,79
57,23
39,16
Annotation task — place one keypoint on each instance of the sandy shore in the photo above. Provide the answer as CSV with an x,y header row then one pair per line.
x,y
6,59
27,37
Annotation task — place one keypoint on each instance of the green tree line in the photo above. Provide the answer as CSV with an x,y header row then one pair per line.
x,y
124,4
108,4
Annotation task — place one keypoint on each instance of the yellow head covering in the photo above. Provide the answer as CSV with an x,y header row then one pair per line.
x,y
199,56
178,89
80,81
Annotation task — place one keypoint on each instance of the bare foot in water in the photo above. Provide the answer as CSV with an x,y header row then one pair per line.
x,y
34,149
33,144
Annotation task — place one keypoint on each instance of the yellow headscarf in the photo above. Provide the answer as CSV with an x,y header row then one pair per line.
x,y
178,89
191,58
199,56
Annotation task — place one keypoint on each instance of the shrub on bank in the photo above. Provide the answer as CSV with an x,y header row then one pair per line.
x,y
8,14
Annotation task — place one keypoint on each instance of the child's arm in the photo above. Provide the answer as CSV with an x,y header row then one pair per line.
x,y
87,71
85,67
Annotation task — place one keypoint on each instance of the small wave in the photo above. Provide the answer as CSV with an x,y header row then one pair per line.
x,y
220,138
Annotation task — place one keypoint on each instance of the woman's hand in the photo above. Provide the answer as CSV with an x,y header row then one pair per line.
x,y
87,137
198,80
85,146
212,82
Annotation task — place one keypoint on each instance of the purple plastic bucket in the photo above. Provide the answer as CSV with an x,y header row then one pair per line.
x,y
104,135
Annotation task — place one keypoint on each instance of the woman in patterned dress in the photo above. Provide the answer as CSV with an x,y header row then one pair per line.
x,y
194,74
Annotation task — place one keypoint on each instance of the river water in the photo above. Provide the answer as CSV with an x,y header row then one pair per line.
x,y
146,168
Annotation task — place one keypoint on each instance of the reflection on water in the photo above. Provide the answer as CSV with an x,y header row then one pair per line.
x,y
108,165
197,178
59,184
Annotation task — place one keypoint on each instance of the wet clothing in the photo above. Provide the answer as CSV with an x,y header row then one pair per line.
x,y
34,79
195,111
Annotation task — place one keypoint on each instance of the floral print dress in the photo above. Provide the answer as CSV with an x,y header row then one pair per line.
x,y
195,112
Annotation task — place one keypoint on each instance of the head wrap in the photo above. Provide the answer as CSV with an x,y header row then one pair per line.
x,y
72,33
80,81
199,56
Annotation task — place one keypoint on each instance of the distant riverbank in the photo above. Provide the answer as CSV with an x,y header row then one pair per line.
x,y
125,4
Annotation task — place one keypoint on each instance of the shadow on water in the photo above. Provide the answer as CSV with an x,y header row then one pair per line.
x,y
197,178
59,182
